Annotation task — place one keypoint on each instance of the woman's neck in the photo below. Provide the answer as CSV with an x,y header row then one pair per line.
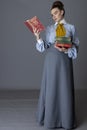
x,y
61,19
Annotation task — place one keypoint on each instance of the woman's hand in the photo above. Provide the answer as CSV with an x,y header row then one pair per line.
x,y
60,49
36,33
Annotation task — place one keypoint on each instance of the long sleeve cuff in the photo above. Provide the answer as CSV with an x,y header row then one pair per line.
x,y
40,45
40,41
72,53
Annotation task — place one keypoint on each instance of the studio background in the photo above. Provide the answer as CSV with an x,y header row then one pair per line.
x,y
21,65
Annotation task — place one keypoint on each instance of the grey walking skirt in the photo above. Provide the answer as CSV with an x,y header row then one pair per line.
x,y
56,107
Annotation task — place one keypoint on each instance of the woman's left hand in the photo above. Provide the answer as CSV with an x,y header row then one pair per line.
x,y
60,49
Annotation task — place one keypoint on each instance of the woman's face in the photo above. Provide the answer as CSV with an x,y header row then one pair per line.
x,y
57,14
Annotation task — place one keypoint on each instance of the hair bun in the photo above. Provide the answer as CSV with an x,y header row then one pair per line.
x,y
58,3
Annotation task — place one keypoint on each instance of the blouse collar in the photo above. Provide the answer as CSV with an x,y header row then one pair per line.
x,y
62,21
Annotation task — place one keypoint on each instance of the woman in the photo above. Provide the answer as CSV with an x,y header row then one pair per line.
x,y
56,106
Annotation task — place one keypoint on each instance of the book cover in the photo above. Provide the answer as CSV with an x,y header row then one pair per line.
x,y
34,23
63,42
64,39
65,45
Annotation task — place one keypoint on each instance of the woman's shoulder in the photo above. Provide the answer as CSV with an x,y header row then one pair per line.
x,y
70,25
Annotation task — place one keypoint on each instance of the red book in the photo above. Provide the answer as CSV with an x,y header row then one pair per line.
x,y
64,45
34,23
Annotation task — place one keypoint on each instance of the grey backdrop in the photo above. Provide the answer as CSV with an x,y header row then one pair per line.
x,y
21,64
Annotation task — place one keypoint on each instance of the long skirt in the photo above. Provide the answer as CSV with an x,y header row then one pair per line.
x,y
56,105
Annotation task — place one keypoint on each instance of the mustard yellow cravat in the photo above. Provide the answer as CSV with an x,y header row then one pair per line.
x,y
60,30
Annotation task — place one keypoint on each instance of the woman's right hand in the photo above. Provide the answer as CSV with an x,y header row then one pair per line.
x,y
60,49
36,33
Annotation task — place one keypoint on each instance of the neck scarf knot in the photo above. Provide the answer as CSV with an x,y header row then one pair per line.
x,y
60,30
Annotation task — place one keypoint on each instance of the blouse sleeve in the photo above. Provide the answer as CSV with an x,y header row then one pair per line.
x,y
72,52
41,44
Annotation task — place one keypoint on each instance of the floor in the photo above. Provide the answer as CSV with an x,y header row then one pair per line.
x,y
18,110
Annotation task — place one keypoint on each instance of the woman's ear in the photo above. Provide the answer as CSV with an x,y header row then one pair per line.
x,y
62,12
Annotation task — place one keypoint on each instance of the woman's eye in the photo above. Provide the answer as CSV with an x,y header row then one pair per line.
x,y
55,12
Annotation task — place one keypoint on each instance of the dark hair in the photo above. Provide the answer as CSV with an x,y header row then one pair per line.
x,y
59,5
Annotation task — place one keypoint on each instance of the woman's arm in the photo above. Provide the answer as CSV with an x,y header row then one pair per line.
x,y
41,45
72,52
